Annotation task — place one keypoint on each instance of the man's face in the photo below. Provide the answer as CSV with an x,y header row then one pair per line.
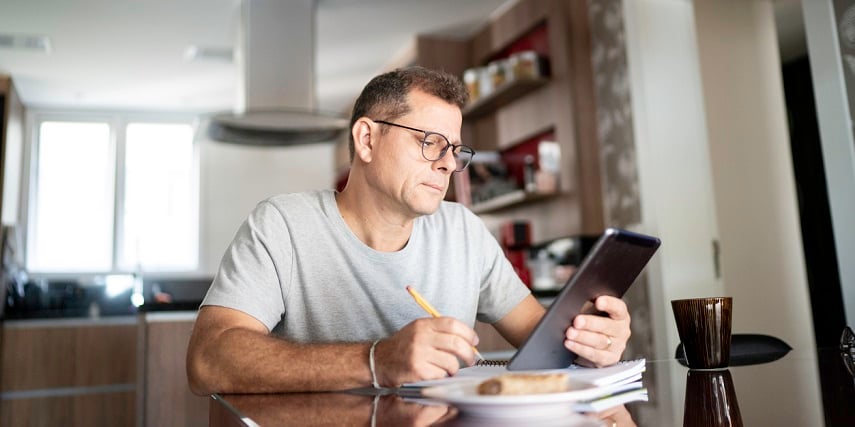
x,y
400,171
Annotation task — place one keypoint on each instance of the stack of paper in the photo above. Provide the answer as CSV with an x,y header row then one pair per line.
x,y
630,392
610,386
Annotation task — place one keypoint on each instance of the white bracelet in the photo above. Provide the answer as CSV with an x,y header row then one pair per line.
x,y
371,365
374,411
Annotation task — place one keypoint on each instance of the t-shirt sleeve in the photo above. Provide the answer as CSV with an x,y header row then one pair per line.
x,y
501,289
254,273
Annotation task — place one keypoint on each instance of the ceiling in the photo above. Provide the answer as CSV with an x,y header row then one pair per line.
x,y
130,54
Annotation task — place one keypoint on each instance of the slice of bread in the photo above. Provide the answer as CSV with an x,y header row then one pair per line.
x,y
516,384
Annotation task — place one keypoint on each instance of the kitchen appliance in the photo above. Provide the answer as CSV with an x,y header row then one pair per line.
x,y
276,99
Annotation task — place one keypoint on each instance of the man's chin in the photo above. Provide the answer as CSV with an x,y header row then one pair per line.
x,y
427,208
427,211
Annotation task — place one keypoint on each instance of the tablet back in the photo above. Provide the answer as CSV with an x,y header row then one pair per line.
x,y
610,268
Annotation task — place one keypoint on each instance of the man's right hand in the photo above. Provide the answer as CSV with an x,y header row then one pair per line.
x,y
427,348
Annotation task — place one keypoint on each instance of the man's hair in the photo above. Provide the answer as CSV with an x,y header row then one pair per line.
x,y
385,96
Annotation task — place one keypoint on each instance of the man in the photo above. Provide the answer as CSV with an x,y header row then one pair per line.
x,y
311,294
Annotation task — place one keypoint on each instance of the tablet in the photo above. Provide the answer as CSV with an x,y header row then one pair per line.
x,y
610,268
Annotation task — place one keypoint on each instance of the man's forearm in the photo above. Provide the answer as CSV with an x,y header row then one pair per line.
x,y
244,361
517,325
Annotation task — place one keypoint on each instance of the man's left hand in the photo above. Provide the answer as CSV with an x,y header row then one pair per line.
x,y
598,340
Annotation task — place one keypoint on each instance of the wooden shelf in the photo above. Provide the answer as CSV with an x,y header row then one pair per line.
x,y
560,101
511,199
503,95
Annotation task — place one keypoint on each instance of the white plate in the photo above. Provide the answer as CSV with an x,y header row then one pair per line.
x,y
464,395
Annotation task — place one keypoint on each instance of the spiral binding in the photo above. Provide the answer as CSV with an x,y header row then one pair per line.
x,y
483,362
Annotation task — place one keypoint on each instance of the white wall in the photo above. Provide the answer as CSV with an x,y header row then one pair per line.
x,y
754,185
674,167
235,178
715,160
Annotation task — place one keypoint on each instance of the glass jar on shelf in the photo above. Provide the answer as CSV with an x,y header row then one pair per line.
x,y
497,73
485,82
473,85
527,65
511,63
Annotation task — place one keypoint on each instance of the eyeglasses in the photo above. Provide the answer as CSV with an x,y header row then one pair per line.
x,y
847,350
435,145
847,341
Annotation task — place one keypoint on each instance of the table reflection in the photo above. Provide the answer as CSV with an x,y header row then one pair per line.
x,y
848,363
617,416
802,388
345,409
711,400
349,409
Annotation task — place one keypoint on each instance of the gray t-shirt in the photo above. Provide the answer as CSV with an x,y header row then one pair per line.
x,y
296,267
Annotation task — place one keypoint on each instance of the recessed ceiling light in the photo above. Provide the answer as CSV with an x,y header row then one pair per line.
x,y
209,53
38,43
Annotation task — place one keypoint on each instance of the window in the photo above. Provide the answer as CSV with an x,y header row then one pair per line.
x,y
73,227
159,226
111,196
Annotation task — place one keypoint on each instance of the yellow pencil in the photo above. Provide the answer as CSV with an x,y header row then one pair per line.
x,y
432,311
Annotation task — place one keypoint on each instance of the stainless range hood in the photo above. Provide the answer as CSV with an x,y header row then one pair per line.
x,y
276,99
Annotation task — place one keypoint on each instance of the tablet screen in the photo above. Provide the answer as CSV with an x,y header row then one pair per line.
x,y
610,268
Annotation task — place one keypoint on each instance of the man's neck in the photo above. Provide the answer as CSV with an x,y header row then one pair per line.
x,y
373,223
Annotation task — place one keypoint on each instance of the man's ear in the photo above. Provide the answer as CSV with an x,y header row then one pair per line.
x,y
363,144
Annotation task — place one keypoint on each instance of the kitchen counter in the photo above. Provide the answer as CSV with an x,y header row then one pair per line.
x,y
63,299
129,319
70,321
95,314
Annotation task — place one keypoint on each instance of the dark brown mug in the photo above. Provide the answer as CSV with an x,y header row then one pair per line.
x,y
711,400
704,328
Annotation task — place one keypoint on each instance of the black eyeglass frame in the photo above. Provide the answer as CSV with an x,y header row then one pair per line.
x,y
424,141
847,341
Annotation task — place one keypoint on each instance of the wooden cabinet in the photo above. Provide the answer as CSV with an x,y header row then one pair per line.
x,y
503,95
168,400
113,371
69,372
560,104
